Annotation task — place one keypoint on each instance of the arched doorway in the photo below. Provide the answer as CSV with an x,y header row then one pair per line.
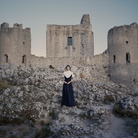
x,y
6,58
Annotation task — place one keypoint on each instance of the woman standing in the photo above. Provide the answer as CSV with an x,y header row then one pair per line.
x,y
67,93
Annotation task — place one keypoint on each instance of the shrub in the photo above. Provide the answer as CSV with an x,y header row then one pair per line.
x,y
108,99
119,111
53,115
44,133
10,120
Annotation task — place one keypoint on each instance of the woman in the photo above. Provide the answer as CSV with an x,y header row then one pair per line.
x,y
67,93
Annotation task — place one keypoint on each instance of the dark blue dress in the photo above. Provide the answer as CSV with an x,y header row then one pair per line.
x,y
67,93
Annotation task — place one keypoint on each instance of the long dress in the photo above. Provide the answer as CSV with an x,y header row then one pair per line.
x,y
67,93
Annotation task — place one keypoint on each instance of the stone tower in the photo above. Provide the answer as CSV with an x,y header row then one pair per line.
x,y
70,40
123,54
15,44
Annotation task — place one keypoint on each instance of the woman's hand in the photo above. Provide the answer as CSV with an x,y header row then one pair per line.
x,y
69,82
65,82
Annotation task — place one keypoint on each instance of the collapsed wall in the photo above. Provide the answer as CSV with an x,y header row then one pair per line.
x,y
60,61
99,60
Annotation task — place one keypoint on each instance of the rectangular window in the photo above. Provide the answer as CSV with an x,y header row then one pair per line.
x,y
70,42
114,59
127,58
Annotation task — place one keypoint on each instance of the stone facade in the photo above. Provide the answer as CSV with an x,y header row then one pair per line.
x,y
123,54
66,44
70,40
63,61
74,45
59,61
15,44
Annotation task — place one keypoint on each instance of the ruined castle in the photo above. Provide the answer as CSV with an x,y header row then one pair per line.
x,y
15,44
123,54
65,44
70,40
74,44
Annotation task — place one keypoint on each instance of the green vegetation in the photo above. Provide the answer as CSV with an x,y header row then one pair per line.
x,y
108,99
119,111
23,116
53,115
44,132
3,132
89,117
27,114
10,120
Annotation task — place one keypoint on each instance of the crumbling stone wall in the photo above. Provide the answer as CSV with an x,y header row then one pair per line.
x,y
70,40
15,44
60,61
74,45
123,54
99,60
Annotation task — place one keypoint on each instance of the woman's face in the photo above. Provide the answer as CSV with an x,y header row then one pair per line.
x,y
68,68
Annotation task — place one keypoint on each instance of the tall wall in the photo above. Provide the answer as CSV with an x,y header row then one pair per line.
x,y
82,45
123,54
15,44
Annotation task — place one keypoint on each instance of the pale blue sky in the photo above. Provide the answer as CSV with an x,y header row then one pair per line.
x,y
36,14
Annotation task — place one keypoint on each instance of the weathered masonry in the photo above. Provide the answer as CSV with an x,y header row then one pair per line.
x,y
70,40
15,44
74,45
123,54
65,44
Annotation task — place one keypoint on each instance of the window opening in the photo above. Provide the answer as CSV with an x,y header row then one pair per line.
x,y
114,58
127,58
6,58
70,41
24,59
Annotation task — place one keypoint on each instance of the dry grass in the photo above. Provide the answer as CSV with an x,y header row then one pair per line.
x,y
4,84
82,75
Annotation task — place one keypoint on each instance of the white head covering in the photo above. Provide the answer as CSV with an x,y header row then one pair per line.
x,y
68,73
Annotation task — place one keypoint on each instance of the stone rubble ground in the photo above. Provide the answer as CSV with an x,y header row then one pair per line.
x,y
33,96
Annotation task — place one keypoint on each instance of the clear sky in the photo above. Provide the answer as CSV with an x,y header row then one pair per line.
x,y
36,14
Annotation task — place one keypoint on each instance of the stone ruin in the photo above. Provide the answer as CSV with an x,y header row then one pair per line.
x,y
123,55
15,44
63,44
74,45
31,86
70,40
